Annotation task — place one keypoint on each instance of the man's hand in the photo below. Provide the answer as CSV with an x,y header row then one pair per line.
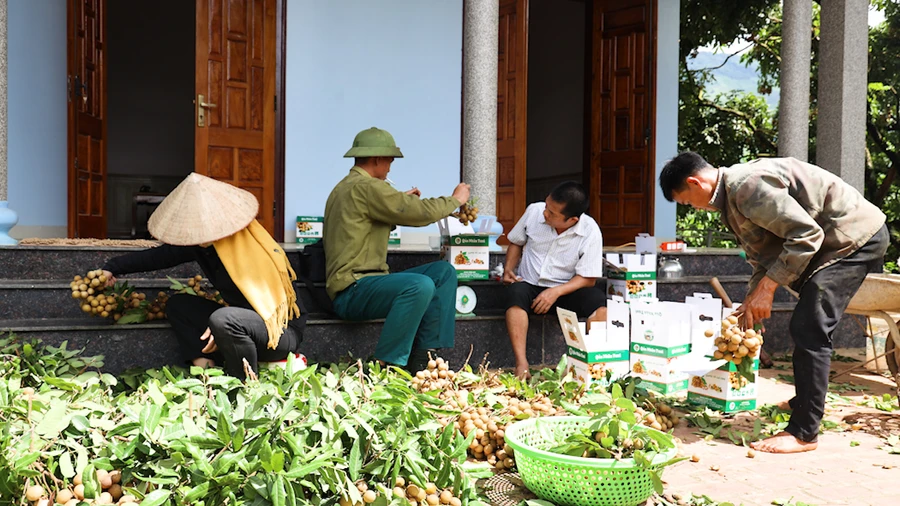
x,y
544,301
415,191
461,193
509,277
211,345
110,279
758,304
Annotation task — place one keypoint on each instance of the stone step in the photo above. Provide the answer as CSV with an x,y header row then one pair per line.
x,y
326,340
40,298
478,338
64,262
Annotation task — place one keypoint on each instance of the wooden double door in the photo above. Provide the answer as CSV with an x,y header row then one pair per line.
x,y
237,125
619,125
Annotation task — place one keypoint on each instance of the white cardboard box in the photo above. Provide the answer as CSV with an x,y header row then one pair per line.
x,y
659,374
660,328
706,315
724,389
309,229
636,278
592,354
466,251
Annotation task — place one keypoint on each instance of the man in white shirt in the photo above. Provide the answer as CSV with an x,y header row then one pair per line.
x,y
558,251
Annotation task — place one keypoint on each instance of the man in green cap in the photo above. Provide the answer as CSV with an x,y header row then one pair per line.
x,y
418,304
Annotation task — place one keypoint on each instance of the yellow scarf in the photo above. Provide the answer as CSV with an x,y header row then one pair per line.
x,y
263,273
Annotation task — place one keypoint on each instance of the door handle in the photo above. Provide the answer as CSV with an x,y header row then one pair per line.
x,y
201,110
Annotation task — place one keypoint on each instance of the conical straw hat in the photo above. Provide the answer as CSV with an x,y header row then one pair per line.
x,y
202,210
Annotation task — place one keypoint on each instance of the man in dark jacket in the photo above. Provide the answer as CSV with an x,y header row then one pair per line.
x,y
805,229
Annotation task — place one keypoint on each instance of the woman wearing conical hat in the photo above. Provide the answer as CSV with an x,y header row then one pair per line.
x,y
214,224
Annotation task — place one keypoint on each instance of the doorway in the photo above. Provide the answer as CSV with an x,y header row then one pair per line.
x,y
556,95
162,88
150,132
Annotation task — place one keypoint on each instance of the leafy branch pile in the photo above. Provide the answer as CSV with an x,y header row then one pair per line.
x,y
200,437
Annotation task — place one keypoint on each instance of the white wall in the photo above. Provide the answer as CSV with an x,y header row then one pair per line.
x,y
36,118
555,93
354,64
668,19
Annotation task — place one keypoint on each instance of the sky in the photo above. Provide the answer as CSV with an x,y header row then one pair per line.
x,y
875,17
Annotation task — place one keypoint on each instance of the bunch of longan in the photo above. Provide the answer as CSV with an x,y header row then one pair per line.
x,y
95,298
467,213
735,344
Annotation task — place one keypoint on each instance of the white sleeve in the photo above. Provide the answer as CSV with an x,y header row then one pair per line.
x,y
518,235
590,261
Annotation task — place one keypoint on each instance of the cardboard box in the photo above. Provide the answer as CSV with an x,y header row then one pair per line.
x,y
309,229
394,238
659,374
724,389
660,328
634,275
591,354
706,316
468,252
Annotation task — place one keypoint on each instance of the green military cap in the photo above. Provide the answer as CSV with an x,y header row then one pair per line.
x,y
374,142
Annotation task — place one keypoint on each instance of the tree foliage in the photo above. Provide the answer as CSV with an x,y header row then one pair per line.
x,y
729,128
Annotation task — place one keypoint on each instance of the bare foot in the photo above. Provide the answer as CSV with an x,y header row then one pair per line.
x,y
783,443
522,372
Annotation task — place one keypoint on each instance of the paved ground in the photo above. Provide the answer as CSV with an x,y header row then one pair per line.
x,y
837,473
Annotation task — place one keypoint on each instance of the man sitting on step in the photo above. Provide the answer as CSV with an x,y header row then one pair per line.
x,y
418,304
558,250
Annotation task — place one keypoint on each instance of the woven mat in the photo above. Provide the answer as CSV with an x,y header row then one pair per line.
x,y
119,243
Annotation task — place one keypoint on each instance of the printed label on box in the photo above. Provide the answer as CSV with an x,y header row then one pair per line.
x,y
665,388
309,229
721,404
661,371
660,351
635,277
598,356
469,254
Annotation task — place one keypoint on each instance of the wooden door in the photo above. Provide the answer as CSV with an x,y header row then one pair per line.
x,y
87,118
511,108
235,119
621,164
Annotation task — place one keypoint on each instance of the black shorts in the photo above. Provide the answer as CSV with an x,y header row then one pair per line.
x,y
583,301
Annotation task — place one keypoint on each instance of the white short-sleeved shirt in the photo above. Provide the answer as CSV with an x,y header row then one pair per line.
x,y
551,259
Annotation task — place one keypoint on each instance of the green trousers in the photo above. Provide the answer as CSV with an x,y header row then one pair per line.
x,y
418,305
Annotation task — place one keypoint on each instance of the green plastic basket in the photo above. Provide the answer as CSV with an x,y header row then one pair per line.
x,y
575,481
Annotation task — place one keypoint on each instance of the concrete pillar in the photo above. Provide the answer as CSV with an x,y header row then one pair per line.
x,y
481,20
8,218
843,69
793,107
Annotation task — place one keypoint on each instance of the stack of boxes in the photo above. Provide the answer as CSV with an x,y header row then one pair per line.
x,y
633,275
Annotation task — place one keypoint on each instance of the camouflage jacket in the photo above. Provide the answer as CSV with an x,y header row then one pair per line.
x,y
792,218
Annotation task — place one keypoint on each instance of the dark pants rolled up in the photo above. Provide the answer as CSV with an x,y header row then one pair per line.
x,y
823,299
239,333
583,301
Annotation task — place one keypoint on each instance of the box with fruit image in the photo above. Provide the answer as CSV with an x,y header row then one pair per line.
x,y
596,372
309,229
725,389
466,251
659,374
634,276
598,350
660,328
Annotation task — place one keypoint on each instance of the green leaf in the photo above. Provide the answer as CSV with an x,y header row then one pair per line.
x,y
277,462
26,460
277,492
54,421
238,439
657,482
90,482
136,316
150,417
854,443
65,465
156,498
197,492
223,430
355,461
616,391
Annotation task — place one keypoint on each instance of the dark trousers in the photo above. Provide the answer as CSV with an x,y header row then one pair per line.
x,y
823,300
583,301
239,333
418,305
